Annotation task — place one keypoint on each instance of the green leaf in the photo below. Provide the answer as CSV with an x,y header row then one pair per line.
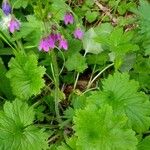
x,y
128,62
76,62
69,78
59,8
122,8
143,11
119,42
144,144
53,147
100,129
6,51
89,3
122,94
17,131
69,113
142,78
40,113
71,143
144,21
25,76
91,16
142,65
19,3
146,45
99,59
4,82
31,31
141,71
103,29
89,43
78,102
74,47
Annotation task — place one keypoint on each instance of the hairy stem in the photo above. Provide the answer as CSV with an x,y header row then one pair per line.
x,y
56,82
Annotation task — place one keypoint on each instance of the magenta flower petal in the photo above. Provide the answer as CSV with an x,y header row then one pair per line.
x,y
51,41
78,34
63,44
55,37
41,44
14,25
68,18
44,45
47,43
58,36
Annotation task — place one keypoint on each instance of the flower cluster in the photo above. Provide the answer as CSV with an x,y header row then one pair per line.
x,y
9,21
49,42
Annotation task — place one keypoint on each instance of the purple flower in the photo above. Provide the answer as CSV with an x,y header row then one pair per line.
x,y
63,44
14,24
51,42
55,37
58,37
68,18
47,43
44,45
6,7
78,34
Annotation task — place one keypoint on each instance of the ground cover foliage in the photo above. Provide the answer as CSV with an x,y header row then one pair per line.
x,y
75,75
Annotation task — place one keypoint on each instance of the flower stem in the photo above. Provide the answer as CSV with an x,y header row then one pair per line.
x,y
92,81
37,103
92,74
20,46
75,84
56,82
4,38
78,74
